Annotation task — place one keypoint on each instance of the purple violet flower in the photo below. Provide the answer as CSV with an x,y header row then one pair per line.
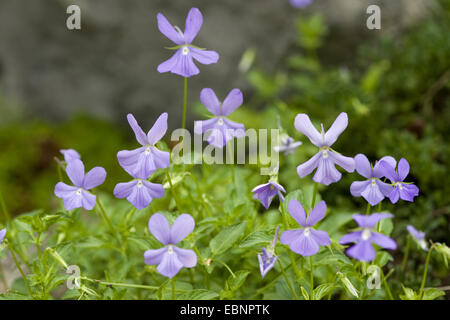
x,y
326,159
268,258
170,259
306,241
182,61
139,192
2,234
363,249
402,190
300,4
288,145
77,196
373,189
419,236
70,154
143,162
266,192
220,128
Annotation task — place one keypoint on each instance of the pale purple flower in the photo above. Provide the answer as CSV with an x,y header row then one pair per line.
x,y
143,162
268,258
182,61
170,259
419,236
363,249
219,128
373,189
326,159
139,192
288,145
2,234
77,196
306,241
402,190
266,192
70,154
300,4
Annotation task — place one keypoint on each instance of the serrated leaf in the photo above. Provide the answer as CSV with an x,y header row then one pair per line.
x,y
257,238
432,294
410,294
226,238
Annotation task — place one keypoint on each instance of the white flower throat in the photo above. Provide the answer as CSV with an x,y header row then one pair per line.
x,y
307,232
79,192
185,50
366,234
169,249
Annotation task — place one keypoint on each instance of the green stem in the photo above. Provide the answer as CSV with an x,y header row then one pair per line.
x,y
109,223
368,209
386,286
38,247
20,269
124,285
287,280
173,288
4,208
424,277
405,257
291,254
177,202
313,202
311,279
226,266
183,124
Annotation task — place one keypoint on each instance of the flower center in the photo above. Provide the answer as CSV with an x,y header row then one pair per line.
x,y
139,185
271,187
220,122
79,192
185,50
374,182
366,234
170,249
325,154
306,232
147,151
400,186
423,244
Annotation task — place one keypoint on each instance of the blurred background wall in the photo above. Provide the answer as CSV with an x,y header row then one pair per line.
x,y
109,67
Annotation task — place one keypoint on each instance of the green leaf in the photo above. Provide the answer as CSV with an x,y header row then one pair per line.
x,y
444,251
410,294
226,238
385,226
257,238
235,283
382,258
199,294
323,290
432,294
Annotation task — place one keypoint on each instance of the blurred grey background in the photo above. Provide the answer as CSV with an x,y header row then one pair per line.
x,y
109,67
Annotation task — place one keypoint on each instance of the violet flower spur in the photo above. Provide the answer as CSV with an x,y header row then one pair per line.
x,y
170,259
266,192
2,234
363,249
402,190
143,161
181,62
77,196
373,189
220,128
306,241
70,154
268,258
419,236
139,192
326,159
